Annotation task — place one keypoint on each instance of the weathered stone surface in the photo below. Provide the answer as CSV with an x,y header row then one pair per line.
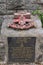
x,y
1,20
28,4
32,6
2,1
37,22
2,8
11,4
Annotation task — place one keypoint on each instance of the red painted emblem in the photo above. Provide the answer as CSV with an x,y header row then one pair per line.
x,y
21,21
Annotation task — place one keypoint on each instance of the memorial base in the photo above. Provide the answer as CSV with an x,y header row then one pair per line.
x,y
22,47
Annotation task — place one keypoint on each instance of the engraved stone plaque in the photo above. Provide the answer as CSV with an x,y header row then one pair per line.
x,y
21,49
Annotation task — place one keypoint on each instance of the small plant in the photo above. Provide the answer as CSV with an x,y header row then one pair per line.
x,y
40,14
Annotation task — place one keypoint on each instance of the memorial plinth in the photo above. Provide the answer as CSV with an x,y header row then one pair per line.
x,y
22,46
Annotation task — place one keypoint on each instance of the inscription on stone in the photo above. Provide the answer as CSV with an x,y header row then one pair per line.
x,y
21,49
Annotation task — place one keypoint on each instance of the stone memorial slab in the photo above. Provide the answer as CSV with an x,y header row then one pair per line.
x,y
21,49
18,50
